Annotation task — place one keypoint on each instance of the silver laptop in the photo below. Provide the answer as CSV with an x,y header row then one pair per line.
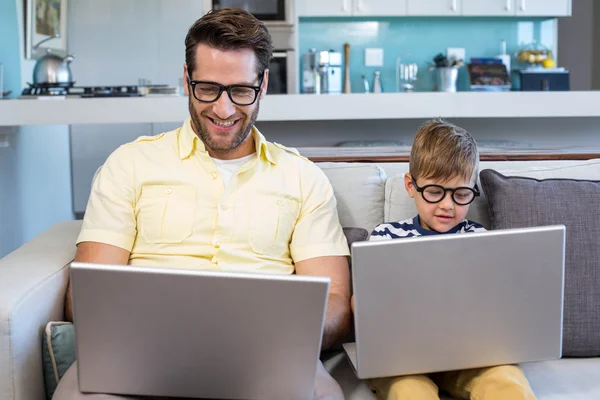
x,y
453,302
181,333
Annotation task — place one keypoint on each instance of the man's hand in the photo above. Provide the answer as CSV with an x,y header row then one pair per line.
x,y
98,253
337,319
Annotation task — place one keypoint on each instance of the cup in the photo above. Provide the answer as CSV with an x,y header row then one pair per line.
x,y
447,79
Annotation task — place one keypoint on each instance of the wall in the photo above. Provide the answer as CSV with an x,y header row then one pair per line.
x,y
35,172
596,45
418,40
9,45
576,44
117,42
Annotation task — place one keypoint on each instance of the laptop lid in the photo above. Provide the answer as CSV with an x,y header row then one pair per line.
x,y
195,334
452,302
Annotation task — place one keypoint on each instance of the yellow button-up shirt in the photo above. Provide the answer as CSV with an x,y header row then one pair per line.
x,y
162,198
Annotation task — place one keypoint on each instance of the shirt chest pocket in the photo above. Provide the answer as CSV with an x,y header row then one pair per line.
x,y
272,222
167,213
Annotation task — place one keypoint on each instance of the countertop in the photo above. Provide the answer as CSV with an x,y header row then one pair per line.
x,y
309,107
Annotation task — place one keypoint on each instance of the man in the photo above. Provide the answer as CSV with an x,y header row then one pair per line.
x,y
214,194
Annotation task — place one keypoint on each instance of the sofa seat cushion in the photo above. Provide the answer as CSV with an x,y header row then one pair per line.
x,y
359,191
568,379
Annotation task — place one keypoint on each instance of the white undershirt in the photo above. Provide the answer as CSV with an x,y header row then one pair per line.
x,y
229,168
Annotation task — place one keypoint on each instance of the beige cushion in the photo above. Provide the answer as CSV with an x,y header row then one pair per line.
x,y
399,206
359,189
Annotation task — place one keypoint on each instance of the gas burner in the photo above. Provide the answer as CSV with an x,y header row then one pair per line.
x,y
46,90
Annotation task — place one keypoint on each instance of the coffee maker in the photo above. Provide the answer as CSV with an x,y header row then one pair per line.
x,y
322,72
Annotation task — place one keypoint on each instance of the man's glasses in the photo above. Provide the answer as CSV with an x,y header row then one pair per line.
x,y
209,92
435,193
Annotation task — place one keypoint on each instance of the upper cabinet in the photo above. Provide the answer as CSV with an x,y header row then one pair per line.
x,y
347,8
550,8
386,8
490,7
324,8
434,7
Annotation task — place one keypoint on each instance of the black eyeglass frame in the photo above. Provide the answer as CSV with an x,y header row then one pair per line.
x,y
223,88
422,189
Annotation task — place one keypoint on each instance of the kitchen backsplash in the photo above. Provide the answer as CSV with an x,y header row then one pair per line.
x,y
418,40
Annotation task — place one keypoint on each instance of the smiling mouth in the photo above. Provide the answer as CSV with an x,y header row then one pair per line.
x,y
223,124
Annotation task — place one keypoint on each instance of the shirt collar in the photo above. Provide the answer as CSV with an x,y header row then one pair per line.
x,y
188,141
426,232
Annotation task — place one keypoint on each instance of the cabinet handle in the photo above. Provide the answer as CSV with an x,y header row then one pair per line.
x,y
508,5
359,6
523,5
454,5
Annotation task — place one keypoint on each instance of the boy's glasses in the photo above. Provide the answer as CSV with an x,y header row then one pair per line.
x,y
209,92
435,193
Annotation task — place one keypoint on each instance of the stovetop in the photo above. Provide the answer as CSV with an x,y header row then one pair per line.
x,y
80,91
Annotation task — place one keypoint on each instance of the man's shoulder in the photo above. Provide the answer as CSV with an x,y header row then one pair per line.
x,y
144,144
282,152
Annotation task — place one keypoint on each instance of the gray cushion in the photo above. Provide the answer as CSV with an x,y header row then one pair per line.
x,y
355,235
516,202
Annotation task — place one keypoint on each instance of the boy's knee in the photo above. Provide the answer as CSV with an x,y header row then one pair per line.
x,y
503,382
413,387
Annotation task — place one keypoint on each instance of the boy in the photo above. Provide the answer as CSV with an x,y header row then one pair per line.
x,y
444,164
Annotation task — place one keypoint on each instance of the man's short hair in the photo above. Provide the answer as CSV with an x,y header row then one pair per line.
x,y
230,29
443,151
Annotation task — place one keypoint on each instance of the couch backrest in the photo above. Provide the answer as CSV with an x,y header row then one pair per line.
x,y
370,193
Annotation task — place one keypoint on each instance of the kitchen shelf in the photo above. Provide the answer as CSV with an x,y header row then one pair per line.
x,y
309,107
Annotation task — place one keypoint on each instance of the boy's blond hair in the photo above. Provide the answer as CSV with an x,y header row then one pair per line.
x,y
443,151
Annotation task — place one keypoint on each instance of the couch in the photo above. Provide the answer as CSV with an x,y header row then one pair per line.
x,y
33,280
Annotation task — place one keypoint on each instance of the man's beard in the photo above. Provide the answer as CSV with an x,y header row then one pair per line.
x,y
239,137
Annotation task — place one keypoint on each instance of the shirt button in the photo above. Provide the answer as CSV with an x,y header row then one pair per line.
x,y
215,175
169,191
279,202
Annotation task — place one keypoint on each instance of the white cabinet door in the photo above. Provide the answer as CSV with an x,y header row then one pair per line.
x,y
489,7
377,8
434,7
324,8
552,8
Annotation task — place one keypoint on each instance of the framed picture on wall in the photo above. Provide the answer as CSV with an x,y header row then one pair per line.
x,y
45,27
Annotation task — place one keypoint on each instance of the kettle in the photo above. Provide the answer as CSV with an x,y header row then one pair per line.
x,y
51,69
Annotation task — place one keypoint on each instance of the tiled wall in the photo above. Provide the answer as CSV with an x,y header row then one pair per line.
x,y
418,40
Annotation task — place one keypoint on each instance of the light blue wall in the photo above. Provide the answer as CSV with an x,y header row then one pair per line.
x,y
44,178
9,46
35,171
418,40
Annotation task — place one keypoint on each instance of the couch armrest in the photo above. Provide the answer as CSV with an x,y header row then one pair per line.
x,y
33,281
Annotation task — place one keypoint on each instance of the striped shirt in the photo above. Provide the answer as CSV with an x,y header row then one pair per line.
x,y
412,227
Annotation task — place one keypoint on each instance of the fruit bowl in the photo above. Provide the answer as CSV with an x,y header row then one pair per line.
x,y
533,54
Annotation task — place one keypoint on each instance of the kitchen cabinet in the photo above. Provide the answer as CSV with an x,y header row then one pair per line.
x,y
324,8
435,7
534,8
347,8
550,8
489,7
387,8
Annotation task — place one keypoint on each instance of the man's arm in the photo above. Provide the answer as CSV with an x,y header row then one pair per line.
x,y
99,253
338,318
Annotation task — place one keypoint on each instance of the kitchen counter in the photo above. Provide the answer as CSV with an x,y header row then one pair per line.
x,y
158,109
